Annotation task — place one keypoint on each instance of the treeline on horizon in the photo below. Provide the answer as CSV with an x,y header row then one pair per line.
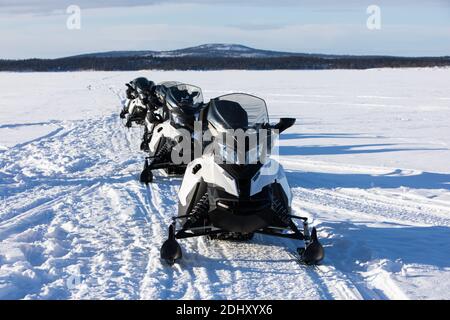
x,y
218,63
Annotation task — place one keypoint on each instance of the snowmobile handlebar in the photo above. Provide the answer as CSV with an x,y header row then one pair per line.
x,y
284,124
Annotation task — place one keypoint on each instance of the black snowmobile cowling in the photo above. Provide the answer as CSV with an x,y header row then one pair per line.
x,y
142,85
161,89
227,112
139,87
183,103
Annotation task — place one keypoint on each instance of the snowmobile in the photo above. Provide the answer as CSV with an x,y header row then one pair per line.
x,y
140,107
138,94
144,107
156,113
233,200
181,106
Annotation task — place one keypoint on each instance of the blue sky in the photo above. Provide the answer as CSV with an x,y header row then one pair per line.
x,y
31,28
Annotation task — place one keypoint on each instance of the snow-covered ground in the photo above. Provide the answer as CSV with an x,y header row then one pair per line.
x,y
368,161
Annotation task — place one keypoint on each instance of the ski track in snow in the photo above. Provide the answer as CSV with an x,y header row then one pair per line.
x,y
75,223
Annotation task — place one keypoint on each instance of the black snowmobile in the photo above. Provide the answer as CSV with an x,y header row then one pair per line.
x,y
227,196
181,106
144,107
139,92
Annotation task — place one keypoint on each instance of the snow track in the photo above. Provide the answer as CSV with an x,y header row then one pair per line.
x,y
80,215
75,223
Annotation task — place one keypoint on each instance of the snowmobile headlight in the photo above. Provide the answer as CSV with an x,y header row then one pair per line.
x,y
230,154
224,153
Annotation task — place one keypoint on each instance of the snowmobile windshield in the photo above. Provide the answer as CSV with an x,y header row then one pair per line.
x,y
237,111
189,98
168,84
142,85
237,119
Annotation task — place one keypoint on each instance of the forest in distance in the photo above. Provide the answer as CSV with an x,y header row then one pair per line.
x,y
83,63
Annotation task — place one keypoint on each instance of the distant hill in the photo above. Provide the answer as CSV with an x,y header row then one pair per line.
x,y
206,50
217,57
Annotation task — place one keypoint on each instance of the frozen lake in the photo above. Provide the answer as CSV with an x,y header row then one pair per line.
x,y
368,161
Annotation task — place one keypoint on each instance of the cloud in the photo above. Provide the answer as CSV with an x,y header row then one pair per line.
x,y
36,6
257,26
30,41
58,6
32,32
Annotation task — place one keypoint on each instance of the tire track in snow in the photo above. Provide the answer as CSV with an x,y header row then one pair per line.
x,y
211,269
43,198
439,210
369,206
121,277
112,229
350,208
178,282
340,283
149,287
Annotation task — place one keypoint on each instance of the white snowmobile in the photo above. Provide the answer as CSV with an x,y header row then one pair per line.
x,y
156,111
144,107
181,106
139,92
227,199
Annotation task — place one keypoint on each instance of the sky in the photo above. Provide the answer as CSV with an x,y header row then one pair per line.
x,y
38,28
